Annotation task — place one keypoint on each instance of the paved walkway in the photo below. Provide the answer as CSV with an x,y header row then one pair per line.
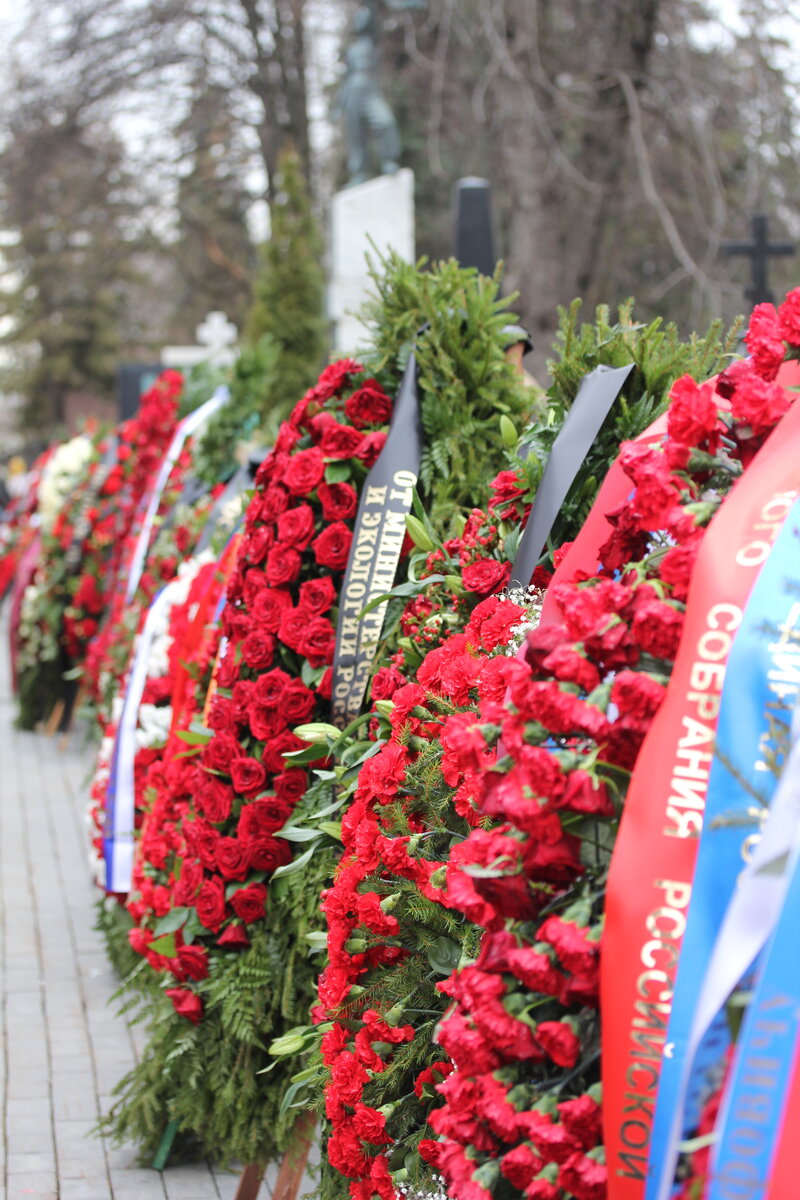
x,y
62,1046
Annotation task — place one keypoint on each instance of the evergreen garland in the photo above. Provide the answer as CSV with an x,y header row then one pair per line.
x,y
456,319
288,290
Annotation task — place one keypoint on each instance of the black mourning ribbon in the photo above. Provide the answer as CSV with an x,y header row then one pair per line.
x,y
378,536
598,391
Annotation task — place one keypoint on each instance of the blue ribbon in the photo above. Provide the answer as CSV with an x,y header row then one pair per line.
x,y
753,692
751,1117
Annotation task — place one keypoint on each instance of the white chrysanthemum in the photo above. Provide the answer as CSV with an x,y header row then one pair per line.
x,y
60,474
531,599
154,723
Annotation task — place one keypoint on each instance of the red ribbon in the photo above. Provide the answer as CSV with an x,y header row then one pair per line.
x,y
200,629
653,861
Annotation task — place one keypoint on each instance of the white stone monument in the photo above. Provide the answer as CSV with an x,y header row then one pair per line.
x,y
376,215
216,338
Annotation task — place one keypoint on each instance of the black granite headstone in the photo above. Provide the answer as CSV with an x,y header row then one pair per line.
x,y
474,240
133,380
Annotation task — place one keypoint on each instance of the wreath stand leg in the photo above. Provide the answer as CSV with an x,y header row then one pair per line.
x,y
292,1166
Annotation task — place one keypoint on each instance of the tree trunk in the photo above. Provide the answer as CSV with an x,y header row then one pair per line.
x,y
559,110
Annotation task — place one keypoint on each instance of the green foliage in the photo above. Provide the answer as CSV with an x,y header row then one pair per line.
x,y
218,1079
288,289
252,384
465,382
659,357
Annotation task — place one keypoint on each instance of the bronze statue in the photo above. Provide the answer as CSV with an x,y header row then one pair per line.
x,y
361,103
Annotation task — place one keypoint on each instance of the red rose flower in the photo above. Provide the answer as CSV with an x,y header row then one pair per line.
x,y
339,501
486,575
283,565
258,650
232,858
193,961
248,775
319,641
284,743
304,471
220,750
332,547
267,853
294,624
269,687
371,447
369,405
340,441
296,526
248,903
297,702
291,785
265,722
187,1004
317,595
210,903
258,543
262,817
268,606
233,935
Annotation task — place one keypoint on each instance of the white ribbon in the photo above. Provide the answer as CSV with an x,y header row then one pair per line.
x,y
119,841
186,428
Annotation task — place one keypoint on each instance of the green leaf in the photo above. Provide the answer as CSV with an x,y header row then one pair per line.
x,y
296,864
171,922
404,590
308,755
337,472
165,945
444,955
193,737
294,833
332,828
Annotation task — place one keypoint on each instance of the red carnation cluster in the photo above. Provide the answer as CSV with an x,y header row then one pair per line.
x,y
577,708
107,512
536,750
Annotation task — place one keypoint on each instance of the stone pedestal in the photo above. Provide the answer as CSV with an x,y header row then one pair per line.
x,y
376,215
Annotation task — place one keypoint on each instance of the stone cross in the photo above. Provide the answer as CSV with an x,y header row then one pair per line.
x,y
759,250
216,337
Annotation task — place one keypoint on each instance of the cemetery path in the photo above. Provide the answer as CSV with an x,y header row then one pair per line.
x,y
62,1045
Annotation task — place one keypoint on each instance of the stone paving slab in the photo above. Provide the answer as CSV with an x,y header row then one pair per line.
x,y
56,1015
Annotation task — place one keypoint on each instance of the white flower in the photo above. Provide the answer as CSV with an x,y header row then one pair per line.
x,y
60,474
